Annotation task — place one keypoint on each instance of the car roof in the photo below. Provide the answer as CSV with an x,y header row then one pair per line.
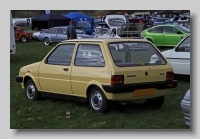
x,y
104,40
59,27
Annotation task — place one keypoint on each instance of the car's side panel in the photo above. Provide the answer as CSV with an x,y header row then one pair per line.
x,y
56,78
53,78
82,76
180,62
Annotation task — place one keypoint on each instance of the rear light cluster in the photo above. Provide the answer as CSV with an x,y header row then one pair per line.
x,y
169,76
117,79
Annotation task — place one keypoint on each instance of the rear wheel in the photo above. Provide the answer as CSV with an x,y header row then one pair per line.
x,y
31,91
98,101
23,39
47,41
157,102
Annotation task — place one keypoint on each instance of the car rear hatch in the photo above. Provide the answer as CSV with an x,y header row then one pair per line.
x,y
133,66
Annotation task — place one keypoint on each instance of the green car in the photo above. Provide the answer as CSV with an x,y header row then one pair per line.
x,y
165,35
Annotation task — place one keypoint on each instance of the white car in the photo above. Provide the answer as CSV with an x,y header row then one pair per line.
x,y
179,57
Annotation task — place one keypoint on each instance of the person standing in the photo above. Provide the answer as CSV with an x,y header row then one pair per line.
x,y
28,22
71,31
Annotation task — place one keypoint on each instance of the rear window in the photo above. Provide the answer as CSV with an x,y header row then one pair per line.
x,y
184,29
128,54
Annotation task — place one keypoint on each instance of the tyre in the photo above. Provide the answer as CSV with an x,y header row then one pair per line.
x,y
47,41
31,91
156,102
98,101
23,39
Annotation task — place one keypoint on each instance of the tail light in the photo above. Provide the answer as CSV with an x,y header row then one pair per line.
x,y
117,79
170,76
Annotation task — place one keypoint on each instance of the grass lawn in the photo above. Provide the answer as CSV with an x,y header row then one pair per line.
x,y
50,113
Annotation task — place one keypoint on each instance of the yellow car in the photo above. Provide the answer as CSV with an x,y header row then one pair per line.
x,y
99,71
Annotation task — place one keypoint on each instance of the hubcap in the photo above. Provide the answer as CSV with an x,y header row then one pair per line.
x,y
47,41
23,39
96,100
30,91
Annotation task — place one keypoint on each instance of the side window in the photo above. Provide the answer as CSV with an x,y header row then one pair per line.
x,y
160,20
184,46
62,55
169,30
51,31
156,30
89,55
60,31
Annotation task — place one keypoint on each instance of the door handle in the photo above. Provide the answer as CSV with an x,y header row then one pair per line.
x,y
65,69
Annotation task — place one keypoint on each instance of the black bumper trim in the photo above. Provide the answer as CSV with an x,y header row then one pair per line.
x,y
136,86
19,79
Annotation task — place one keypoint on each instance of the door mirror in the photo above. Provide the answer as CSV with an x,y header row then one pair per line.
x,y
180,49
179,32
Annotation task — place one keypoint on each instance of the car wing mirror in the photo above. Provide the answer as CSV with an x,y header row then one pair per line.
x,y
180,49
178,32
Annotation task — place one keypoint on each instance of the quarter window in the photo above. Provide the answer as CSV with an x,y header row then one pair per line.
x,y
62,55
89,55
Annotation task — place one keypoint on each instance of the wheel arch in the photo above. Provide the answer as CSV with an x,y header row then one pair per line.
x,y
47,37
28,77
89,88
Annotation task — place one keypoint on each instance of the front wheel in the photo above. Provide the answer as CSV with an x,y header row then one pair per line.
x,y
97,100
31,91
23,39
47,41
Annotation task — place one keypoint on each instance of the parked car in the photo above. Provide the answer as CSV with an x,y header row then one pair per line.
x,y
21,35
125,30
90,70
185,106
58,34
179,57
35,35
160,21
165,35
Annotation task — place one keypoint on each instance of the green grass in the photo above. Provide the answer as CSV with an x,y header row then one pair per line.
x,y
50,113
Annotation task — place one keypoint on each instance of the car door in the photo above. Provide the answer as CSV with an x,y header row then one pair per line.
x,y
55,71
61,34
180,57
155,34
171,36
51,33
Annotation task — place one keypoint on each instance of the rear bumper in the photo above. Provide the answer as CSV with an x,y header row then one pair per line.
x,y
19,79
136,86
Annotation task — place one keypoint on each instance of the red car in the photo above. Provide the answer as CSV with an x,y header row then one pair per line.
x,y
21,35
